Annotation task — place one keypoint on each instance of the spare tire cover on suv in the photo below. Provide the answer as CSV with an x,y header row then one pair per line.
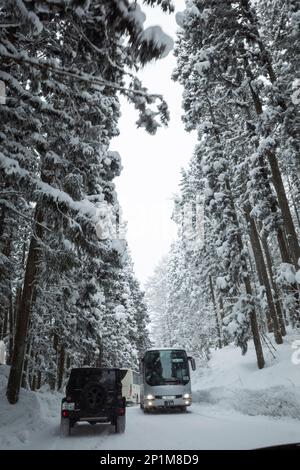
x,y
92,398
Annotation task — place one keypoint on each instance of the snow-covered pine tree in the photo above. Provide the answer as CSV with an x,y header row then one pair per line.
x,y
125,336
62,66
178,294
156,297
204,104
235,87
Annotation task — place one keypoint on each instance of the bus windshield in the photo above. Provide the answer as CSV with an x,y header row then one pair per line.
x,y
164,367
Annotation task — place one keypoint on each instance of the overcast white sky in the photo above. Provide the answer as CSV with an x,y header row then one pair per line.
x,y
151,164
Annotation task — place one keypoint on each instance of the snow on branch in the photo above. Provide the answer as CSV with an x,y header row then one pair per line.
x,y
11,167
9,206
53,67
166,5
29,17
156,38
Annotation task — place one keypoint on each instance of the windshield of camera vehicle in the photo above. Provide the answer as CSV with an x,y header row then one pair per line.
x,y
166,367
150,222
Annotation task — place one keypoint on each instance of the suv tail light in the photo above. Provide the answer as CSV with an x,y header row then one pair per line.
x,y
121,407
65,413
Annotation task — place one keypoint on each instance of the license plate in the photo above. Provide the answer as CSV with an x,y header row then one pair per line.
x,y
68,406
168,397
169,403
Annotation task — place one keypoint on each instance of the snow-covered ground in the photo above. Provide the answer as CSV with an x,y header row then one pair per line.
x,y
233,382
236,406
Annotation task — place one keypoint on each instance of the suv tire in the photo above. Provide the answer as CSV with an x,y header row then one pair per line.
x,y
120,424
65,427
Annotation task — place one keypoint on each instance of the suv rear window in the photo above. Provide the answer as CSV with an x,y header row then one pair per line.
x,y
80,377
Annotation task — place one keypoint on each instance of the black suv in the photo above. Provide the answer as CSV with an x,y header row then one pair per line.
x,y
93,395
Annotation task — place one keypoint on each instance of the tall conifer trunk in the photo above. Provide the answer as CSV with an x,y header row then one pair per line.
x,y
22,321
262,272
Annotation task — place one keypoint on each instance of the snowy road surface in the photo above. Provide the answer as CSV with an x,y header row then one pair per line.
x,y
236,406
203,427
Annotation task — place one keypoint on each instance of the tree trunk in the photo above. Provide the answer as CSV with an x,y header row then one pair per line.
x,y
262,273
293,244
248,10
33,383
247,282
53,376
4,324
30,278
254,328
216,312
61,367
253,274
292,238
39,379
221,305
25,382
253,317
274,286
11,329
6,248
282,245
293,202
17,305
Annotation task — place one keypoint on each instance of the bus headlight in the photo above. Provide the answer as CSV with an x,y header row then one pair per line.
x,y
149,397
186,396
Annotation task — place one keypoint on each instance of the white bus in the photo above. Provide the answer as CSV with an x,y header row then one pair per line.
x,y
131,386
166,381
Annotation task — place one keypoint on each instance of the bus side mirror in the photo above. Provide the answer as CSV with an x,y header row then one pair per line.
x,y
193,363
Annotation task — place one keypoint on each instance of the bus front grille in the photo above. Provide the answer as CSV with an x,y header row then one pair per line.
x,y
160,397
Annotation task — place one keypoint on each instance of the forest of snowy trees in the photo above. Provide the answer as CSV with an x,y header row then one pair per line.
x,y
233,272
68,293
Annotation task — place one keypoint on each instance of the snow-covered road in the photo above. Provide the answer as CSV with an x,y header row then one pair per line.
x,y
236,406
203,427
